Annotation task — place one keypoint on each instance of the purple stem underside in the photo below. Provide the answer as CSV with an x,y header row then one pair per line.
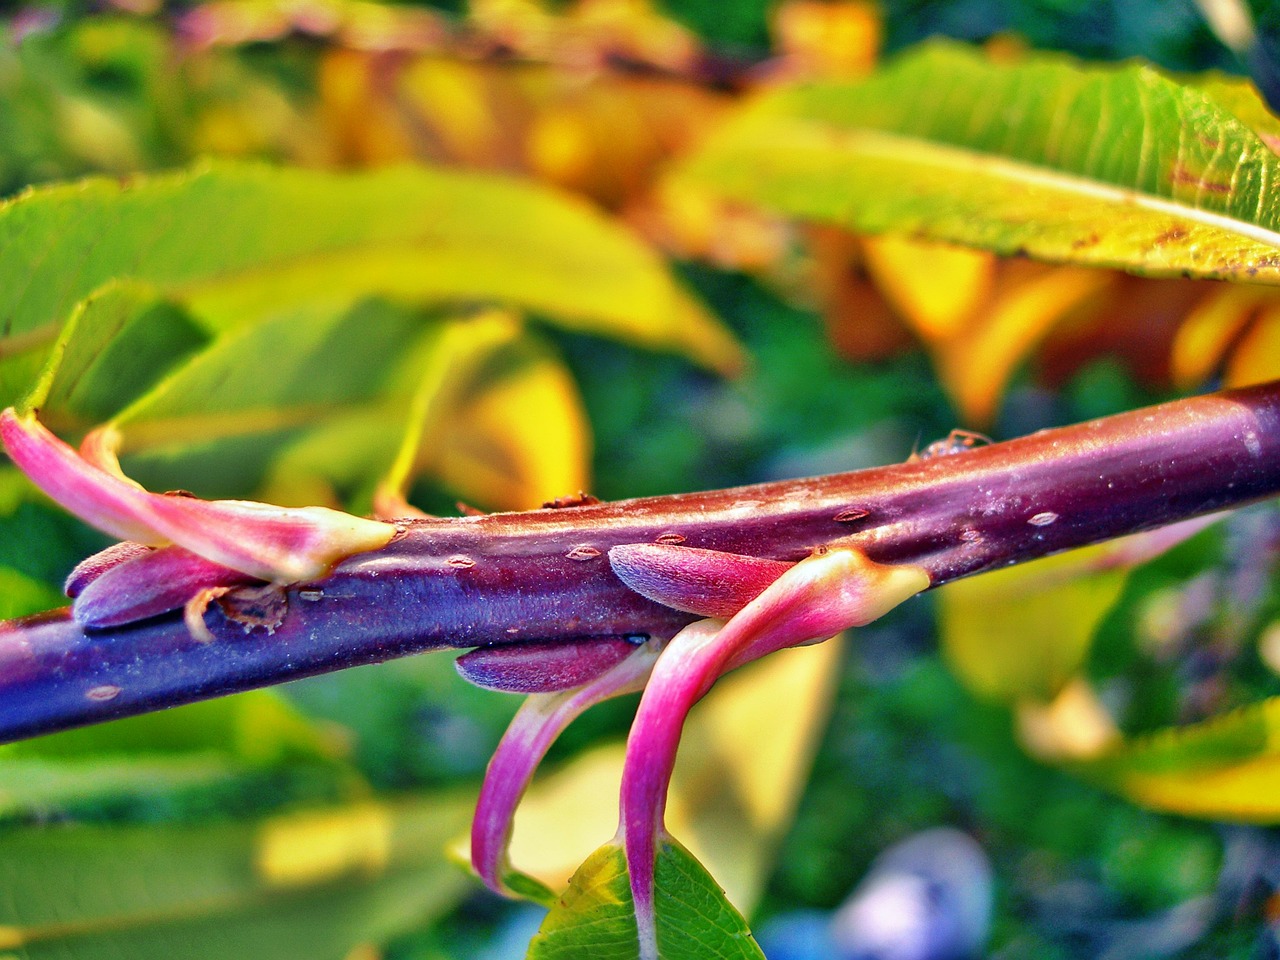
x,y
544,575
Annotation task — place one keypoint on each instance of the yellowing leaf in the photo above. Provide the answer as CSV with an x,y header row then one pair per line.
x,y
1024,631
937,288
1227,768
272,242
1209,329
1256,358
1115,166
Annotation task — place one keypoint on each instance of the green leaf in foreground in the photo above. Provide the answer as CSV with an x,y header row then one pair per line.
x,y
1116,166
595,916
308,885
235,244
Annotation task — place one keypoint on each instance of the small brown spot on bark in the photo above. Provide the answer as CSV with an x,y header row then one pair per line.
x,y
461,562
669,538
102,693
259,606
852,514
583,552
578,499
1081,242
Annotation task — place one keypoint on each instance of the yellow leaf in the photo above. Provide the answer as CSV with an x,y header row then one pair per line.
x,y
1209,329
1073,726
1028,301
307,848
1257,357
1226,768
938,288
453,94
522,440
1023,632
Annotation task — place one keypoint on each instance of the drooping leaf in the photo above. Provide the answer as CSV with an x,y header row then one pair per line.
x,y
1226,768
309,885
1106,166
595,916
979,318
236,244
737,779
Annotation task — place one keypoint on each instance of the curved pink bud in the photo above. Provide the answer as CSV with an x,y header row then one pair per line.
x,y
536,725
542,667
710,583
278,544
90,568
814,599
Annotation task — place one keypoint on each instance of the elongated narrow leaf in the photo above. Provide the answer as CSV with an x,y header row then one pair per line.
x,y
1116,165
1227,768
309,885
34,787
595,917
237,243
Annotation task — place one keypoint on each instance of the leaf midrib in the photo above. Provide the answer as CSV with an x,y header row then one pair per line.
x,y
871,142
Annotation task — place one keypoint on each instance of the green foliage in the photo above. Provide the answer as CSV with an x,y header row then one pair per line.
x,y
595,915
303,885
269,236
311,336
1042,156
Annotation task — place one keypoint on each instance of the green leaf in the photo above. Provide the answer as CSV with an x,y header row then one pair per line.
x,y
1116,166
116,344
310,885
1226,768
240,243
256,727
39,544
595,917
34,787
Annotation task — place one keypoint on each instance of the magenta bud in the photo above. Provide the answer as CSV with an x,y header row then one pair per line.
x,y
710,583
148,585
279,544
90,568
542,667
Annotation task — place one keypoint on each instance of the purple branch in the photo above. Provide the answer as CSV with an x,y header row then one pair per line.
x,y
544,575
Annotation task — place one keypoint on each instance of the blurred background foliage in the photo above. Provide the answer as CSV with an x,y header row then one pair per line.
x,y
311,821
